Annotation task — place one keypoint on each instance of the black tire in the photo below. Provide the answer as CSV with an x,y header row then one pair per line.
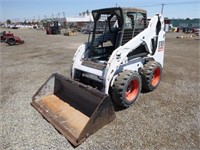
x,y
126,88
151,75
10,41
58,31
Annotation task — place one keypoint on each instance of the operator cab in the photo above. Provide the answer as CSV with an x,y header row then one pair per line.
x,y
113,27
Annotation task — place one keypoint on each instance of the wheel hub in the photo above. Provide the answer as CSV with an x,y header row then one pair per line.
x,y
132,90
156,77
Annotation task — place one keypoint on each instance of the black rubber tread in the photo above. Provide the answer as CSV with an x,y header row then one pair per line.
x,y
120,86
10,41
147,74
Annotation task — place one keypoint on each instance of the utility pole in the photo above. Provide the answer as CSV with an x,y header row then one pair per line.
x,y
65,22
58,14
64,14
162,8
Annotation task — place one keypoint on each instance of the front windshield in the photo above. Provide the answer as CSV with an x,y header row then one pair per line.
x,y
106,27
104,37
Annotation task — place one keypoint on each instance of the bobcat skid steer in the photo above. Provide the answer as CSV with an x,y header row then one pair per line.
x,y
123,55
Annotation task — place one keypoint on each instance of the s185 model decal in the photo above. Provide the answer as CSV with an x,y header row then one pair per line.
x,y
161,45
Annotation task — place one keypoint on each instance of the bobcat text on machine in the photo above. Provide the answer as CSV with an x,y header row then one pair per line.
x,y
123,55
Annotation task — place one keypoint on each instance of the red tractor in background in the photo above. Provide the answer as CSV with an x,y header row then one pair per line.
x,y
10,39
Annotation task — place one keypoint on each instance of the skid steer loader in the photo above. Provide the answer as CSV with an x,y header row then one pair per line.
x,y
123,55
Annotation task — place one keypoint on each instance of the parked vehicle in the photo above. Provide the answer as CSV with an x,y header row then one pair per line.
x,y
10,39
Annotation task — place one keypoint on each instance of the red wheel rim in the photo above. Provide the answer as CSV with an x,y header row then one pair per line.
x,y
156,77
132,90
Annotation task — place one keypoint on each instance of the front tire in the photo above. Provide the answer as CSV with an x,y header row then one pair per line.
x,y
151,75
126,88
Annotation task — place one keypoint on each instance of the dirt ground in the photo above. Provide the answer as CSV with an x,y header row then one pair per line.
x,y
167,118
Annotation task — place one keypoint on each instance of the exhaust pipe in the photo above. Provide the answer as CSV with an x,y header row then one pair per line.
x,y
74,109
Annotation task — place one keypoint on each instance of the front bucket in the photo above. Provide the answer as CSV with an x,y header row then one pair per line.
x,y
74,109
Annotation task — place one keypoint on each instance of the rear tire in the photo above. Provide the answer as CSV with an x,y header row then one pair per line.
x,y
10,41
126,88
151,75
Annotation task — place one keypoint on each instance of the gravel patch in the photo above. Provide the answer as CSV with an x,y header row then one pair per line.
x,y
167,118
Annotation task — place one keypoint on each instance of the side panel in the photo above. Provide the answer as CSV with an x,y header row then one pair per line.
x,y
159,54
